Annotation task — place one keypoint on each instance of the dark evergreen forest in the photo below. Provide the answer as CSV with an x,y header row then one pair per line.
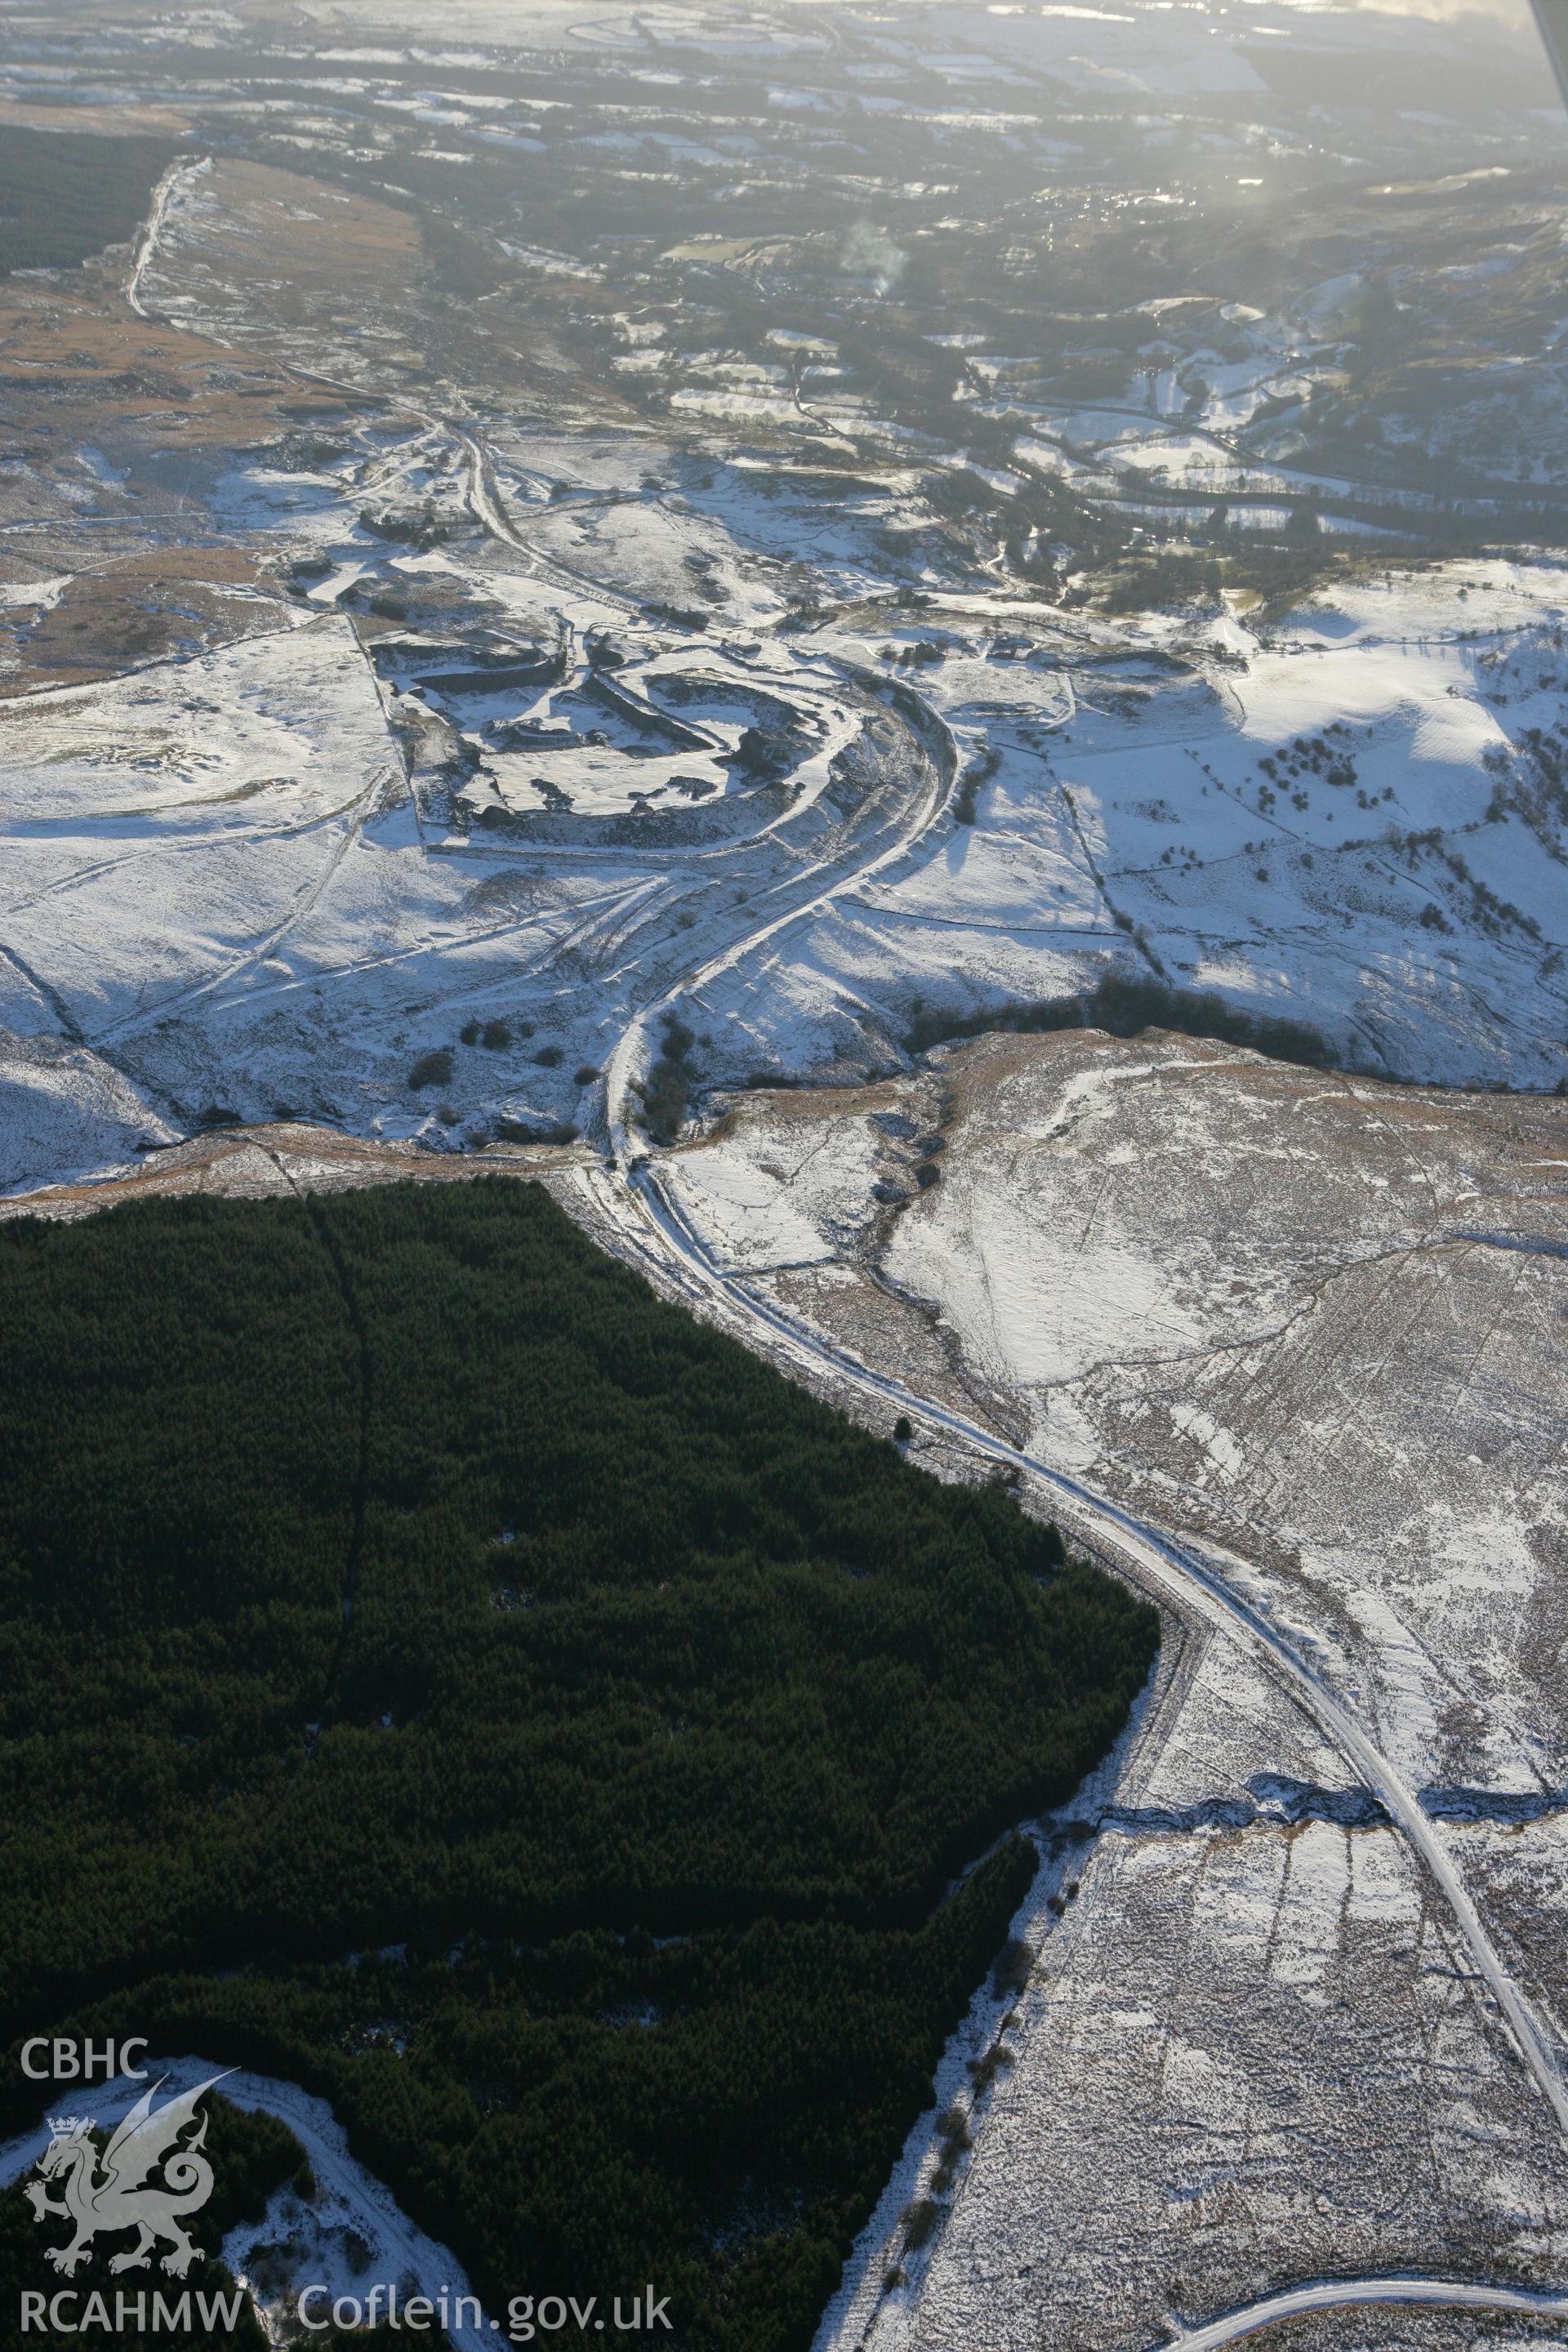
x,y
433,1669
65,195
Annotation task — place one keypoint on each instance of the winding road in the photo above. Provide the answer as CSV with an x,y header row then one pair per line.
x,y
628,1191
483,498
627,1149
656,1234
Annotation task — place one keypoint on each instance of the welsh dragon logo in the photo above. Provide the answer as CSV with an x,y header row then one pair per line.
x,y
124,2194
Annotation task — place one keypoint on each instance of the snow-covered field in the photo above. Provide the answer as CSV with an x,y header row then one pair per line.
x,y
274,876
1307,1321
1397,880
1248,2024
1309,1326
537,717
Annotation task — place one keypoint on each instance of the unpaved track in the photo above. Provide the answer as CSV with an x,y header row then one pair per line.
x,y
484,503
258,949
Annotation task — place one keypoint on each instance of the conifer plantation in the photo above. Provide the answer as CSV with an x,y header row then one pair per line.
x,y
438,1670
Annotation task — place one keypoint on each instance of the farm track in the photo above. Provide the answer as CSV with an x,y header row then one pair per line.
x,y
259,949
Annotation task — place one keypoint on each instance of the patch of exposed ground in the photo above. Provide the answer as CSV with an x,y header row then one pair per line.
x,y
1312,1322
117,428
